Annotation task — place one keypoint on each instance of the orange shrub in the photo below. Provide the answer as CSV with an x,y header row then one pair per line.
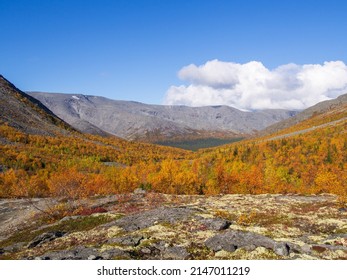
x,y
68,183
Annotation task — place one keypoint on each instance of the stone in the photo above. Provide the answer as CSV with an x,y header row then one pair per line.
x,y
217,244
216,223
115,253
41,258
233,239
78,253
146,251
250,247
159,246
175,253
281,249
45,237
294,248
92,257
15,247
140,191
84,253
149,218
60,255
306,248
128,240
161,251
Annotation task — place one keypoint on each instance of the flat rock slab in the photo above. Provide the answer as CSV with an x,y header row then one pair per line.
x,y
152,217
84,253
163,251
15,247
14,213
233,239
175,253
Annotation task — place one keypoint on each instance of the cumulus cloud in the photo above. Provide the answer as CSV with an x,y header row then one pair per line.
x,y
252,86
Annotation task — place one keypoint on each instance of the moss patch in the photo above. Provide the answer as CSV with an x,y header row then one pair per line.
x,y
73,225
199,252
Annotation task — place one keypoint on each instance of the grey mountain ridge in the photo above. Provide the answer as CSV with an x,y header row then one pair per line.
x,y
134,120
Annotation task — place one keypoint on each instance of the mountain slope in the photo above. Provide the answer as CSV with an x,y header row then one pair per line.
x,y
318,114
309,157
134,120
27,114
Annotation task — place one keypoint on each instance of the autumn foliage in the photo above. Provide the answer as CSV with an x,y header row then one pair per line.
x,y
79,166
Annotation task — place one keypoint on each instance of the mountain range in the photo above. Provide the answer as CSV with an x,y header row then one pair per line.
x,y
57,113
137,121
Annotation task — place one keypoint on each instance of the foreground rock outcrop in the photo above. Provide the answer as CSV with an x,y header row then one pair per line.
x,y
157,226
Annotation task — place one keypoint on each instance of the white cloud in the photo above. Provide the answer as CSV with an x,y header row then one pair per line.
x,y
252,86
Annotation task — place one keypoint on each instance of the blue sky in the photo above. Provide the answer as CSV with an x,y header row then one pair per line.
x,y
134,50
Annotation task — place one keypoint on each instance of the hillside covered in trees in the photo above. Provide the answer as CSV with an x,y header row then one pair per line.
x,y
309,157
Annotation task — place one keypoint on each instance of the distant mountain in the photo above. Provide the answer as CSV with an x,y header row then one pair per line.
x,y
317,114
27,114
138,121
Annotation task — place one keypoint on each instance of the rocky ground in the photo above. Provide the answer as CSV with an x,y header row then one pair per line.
x,y
157,226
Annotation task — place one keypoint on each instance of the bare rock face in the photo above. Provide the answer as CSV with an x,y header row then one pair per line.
x,y
234,239
134,120
152,217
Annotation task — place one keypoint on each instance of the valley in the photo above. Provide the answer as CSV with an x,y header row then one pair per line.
x,y
196,144
84,191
